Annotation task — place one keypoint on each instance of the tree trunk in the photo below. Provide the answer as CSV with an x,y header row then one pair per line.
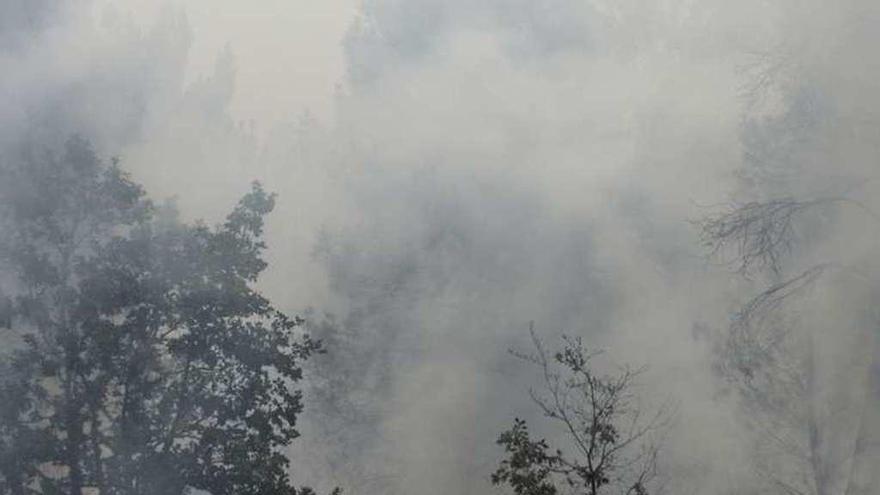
x,y
865,478
814,427
73,422
15,483
97,461
73,448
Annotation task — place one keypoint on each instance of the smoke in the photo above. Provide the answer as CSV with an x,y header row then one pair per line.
x,y
476,166
508,172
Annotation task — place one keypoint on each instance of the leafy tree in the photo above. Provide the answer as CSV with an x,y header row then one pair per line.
x,y
614,447
139,358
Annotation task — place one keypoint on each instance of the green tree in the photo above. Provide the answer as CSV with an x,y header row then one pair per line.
x,y
613,446
139,359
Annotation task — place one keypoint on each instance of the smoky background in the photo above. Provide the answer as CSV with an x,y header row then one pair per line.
x,y
450,171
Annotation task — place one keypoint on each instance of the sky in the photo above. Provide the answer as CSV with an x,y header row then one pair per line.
x,y
450,171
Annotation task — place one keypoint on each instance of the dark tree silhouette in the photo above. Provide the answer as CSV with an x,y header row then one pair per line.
x,y
138,358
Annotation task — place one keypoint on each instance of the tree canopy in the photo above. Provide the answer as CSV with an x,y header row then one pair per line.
x,y
138,358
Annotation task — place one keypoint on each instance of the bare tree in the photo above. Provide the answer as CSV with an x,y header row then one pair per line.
x,y
759,234
772,362
612,444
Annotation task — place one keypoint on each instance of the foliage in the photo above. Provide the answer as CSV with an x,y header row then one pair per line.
x,y
529,467
141,360
613,447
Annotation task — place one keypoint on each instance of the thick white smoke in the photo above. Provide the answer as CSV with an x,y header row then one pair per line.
x,y
480,165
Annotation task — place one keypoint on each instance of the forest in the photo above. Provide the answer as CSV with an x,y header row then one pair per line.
x,y
364,247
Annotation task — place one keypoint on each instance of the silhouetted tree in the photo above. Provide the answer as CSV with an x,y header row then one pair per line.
x,y
139,358
614,446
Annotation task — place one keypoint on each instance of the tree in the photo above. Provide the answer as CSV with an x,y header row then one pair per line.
x,y
772,359
140,358
613,446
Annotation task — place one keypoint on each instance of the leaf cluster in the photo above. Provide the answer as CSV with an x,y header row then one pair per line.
x,y
141,359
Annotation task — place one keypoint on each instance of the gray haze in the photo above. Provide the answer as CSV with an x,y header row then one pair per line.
x,y
450,170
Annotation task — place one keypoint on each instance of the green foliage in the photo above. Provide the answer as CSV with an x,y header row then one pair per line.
x,y
527,469
613,446
141,360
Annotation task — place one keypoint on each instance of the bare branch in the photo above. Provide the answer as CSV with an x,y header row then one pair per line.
x,y
615,446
